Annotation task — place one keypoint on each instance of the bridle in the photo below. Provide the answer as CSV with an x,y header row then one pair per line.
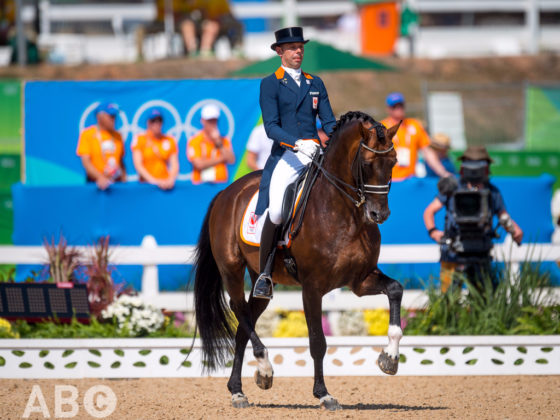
x,y
361,188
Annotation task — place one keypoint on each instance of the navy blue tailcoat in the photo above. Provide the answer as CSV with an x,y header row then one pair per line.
x,y
289,113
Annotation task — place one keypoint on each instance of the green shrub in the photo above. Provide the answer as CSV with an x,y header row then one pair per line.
x,y
521,303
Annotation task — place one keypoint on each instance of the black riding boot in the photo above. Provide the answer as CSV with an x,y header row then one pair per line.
x,y
269,238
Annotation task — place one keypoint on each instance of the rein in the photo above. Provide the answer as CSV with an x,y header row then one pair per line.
x,y
362,188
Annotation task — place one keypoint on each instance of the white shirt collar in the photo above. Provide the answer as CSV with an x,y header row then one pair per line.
x,y
294,73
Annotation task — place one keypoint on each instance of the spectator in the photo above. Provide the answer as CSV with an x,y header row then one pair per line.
x,y
204,20
410,139
208,151
155,154
441,145
456,258
101,148
258,148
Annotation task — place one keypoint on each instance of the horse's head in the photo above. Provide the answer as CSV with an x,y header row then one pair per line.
x,y
373,168
369,161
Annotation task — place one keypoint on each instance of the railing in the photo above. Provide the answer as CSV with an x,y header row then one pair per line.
x,y
288,10
149,254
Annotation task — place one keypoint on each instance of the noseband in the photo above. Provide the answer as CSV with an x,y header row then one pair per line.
x,y
361,188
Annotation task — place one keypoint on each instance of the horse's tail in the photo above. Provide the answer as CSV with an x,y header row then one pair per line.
x,y
212,312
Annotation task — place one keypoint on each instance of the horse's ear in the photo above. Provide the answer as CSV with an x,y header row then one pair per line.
x,y
393,130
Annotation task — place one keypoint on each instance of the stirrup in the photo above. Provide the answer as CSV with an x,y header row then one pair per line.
x,y
263,287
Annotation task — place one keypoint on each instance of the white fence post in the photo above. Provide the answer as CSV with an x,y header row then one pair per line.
x,y
150,282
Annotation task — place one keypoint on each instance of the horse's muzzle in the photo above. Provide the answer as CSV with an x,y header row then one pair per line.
x,y
377,216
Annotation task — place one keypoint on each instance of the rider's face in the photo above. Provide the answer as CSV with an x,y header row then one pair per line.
x,y
291,54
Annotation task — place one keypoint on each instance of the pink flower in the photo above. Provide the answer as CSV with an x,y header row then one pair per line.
x,y
326,325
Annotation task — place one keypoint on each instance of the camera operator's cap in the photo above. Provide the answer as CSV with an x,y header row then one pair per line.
x,y
394,98
155,114
286,35
476,153
440,141
107,107
210,112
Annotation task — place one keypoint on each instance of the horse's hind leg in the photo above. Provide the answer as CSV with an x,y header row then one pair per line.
x,y
312,302
375,283
247,315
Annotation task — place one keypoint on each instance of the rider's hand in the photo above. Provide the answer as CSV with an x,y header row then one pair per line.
x,y
437,235
307,147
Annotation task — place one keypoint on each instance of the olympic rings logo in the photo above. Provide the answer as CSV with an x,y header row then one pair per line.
x,y
189,126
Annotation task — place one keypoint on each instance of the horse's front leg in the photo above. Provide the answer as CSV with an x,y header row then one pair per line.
x,y
312,303
375,283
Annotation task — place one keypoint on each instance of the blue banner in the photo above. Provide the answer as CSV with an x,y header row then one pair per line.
x,y
56,112
128,212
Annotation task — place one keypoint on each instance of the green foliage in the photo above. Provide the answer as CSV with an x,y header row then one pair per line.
x,y
95,329
520,304
7,273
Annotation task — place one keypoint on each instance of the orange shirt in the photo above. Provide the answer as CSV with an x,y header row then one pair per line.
x,y
155,153
200,146
409,139
105,150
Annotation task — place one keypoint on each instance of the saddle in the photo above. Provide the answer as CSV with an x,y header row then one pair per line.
x,y
293,211
294,204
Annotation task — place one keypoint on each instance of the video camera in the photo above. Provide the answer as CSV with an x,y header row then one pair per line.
x,y
471,210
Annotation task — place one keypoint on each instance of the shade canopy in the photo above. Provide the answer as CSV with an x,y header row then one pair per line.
x,y
318,58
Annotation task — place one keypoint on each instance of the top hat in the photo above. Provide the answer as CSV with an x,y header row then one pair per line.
x,y
285,35
476,153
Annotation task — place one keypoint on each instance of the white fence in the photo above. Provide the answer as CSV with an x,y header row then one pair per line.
x,y
149,255
346,356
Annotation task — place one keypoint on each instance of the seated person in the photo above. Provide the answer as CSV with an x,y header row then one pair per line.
x,y
155,154
208,151
101,148
440,144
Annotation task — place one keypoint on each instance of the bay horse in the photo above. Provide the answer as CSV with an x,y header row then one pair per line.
x,y
338,245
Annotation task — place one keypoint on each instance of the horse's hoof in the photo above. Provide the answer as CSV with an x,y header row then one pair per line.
x,y
263,382
239,400
388,364
330,403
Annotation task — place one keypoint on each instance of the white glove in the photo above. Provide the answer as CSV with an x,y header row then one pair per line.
x,y
307,147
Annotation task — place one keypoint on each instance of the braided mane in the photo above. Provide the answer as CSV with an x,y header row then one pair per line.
x,y
345,119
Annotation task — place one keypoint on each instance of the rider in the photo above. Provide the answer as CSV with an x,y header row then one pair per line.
x,y
290,101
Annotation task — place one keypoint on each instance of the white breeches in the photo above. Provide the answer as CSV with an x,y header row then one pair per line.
x,y
285,172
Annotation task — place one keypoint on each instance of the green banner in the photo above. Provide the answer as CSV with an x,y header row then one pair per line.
x,y
521,163
543,118
10,116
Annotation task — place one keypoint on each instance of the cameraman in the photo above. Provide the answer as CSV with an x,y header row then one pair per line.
x,y
466,246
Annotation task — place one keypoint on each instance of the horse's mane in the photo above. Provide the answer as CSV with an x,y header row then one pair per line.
x,y
347,118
